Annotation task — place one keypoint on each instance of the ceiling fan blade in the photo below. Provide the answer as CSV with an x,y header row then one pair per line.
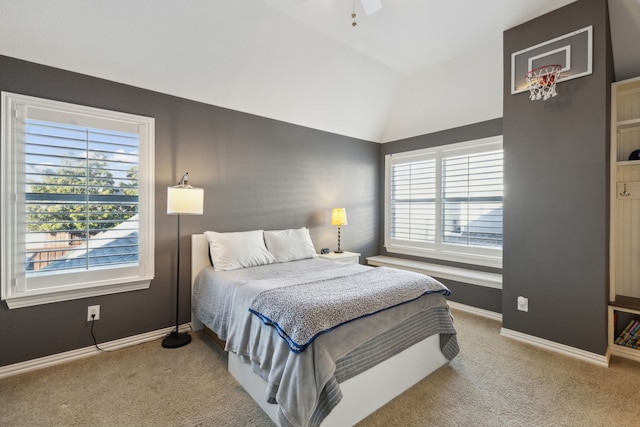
x,y
371,6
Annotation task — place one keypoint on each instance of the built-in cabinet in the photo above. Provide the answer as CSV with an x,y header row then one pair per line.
x,y
624,298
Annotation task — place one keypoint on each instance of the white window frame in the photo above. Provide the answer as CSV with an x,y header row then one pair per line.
x,y
69,286
489,257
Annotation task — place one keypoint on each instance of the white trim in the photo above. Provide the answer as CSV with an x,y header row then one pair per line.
x,y
555,347
484,256
70,285
465,258
567,58
28,299
68,356
475,310
473,277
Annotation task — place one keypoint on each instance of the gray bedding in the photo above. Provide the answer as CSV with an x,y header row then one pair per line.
x,y
305,385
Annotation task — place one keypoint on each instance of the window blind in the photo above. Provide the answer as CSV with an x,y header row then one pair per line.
x,y
446,202
472,192
81,197
413,201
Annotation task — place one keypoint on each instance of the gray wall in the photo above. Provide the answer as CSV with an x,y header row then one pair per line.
x,y
556,192
261,173
256,172
477,296
556,201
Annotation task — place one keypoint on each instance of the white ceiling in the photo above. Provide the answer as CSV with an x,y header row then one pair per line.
x,y
409,69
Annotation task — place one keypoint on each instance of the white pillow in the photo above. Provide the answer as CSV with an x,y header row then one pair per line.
x,y
290,245
230,251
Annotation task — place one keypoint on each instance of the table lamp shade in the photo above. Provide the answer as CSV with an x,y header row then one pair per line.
x,y
185,200
339,216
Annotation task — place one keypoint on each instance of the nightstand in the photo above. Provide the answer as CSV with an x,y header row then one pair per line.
x,y
348,257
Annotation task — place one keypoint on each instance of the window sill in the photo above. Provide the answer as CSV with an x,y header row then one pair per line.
x,y
463,275
28,299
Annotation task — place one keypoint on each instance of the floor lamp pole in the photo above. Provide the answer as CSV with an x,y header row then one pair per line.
x,y
176,339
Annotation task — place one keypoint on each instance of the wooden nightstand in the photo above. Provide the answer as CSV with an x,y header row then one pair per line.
x,y
348,257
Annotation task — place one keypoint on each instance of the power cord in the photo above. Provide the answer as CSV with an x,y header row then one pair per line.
x,y
95,342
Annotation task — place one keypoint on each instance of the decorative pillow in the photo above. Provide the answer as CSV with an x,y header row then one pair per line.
x,y
290,245
230,251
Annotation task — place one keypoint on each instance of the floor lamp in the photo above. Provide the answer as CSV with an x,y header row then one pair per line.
x,y
182,199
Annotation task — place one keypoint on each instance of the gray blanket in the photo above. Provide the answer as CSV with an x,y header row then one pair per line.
x,y
214,291
305,385
302,312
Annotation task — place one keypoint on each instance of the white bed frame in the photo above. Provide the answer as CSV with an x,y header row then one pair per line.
x,y
362,394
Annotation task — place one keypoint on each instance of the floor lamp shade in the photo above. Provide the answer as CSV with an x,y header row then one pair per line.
x,y
185,200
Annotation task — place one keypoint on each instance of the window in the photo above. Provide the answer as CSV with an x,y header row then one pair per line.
x,y
446,202
77,201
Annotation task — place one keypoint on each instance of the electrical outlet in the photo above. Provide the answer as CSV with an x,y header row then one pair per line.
x,y
93,310
523,304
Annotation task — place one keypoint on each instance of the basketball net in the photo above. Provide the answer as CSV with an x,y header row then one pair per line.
x,y
542,82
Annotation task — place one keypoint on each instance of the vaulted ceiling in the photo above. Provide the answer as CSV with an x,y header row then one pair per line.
x,y
413,67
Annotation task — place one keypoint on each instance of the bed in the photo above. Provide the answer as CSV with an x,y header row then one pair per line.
x,y
336,376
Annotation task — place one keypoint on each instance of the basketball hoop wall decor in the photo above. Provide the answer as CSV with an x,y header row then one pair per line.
x,y
539,68
542,82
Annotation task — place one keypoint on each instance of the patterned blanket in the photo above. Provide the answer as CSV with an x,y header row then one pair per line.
x,y
302,312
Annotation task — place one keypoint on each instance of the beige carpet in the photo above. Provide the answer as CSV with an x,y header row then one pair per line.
x,y
494,381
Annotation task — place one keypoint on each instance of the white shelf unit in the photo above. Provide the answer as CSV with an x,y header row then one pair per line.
x,y
624,280
618,319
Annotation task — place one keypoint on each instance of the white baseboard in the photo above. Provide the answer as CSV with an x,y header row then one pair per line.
x,y
67,356
475,310
566,350
555,347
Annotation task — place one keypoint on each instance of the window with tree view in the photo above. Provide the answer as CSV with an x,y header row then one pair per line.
x,y
81,183
446,202
81,197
